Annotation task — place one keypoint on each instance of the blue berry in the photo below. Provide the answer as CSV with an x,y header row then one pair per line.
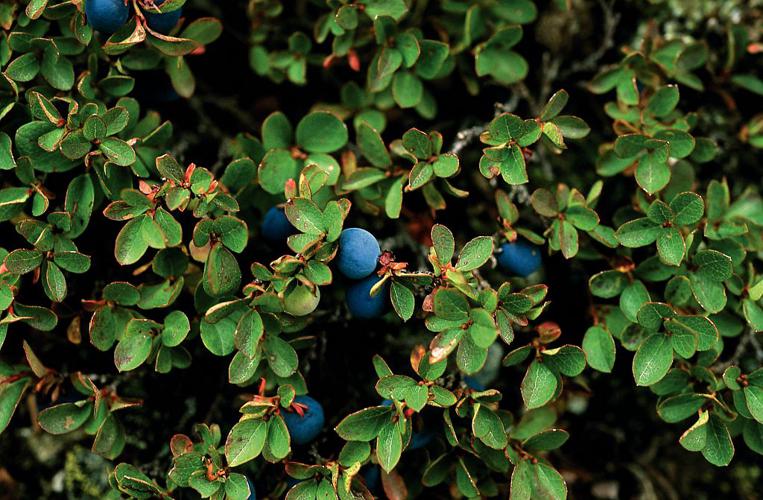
x,y
291,482
372,477
275,226
520,258
303,429
358,253
421,439
106,15
360,302
163,23
474,384
252,492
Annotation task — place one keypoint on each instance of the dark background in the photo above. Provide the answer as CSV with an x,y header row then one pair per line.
x,y
617,442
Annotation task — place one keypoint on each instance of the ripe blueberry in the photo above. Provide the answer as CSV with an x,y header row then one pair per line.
x,y
358,253
301,301
421,439
275,226
106,15
252,492
303,429
474,384
372,477
360,302
520,258
163,23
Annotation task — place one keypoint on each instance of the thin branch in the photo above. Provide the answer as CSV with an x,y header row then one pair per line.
x,y
749,339
466,136
591,63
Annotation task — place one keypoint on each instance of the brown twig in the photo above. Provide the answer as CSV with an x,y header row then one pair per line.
x,y
748,340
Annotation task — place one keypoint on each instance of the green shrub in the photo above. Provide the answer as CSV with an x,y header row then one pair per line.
x,y
566,196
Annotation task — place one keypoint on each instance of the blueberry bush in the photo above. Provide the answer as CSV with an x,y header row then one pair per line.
x,y
350,249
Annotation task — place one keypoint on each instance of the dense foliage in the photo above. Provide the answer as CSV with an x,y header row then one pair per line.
x,y
402,248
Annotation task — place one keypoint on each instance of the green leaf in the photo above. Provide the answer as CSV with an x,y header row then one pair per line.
x,y
53,282
407,89
57,69
671,246
281,356
372,146
433,55
695,437
470,357
176,327
513,167
278,443
652,360
548,482
395,9
237,487
450,304
571,127
417,143
420,174
443,242
305,216
169,168
582,218
488,428
364,425
680,407
23,261
688,208
608,284
554,134
568,360
64,418
204,30
719,449
506,66
629,145
245,441
753,395
698,327
446,165
713,265
599,347
7,161
132,350
681,143
538,385
475,253
710,294
389,446
554,106
24,68
321,132
638,233
653,172
130,244
403,300
546,440
277,167
10,396
222,274
110,438
663,101
117,151
354,452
